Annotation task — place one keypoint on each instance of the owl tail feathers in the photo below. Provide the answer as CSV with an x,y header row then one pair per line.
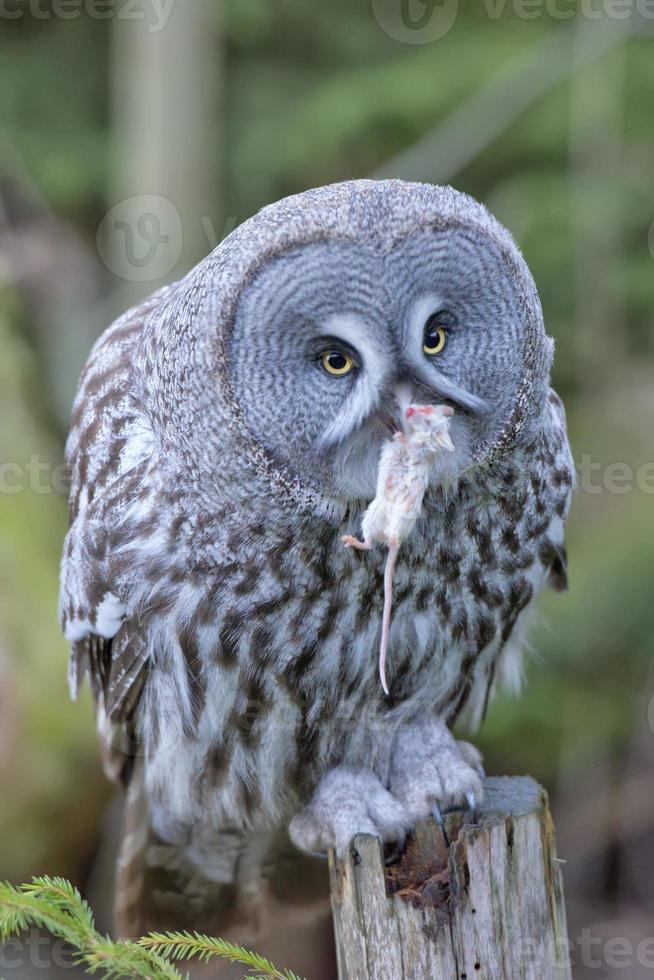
x,y
131,886
213,885
287,920
156,889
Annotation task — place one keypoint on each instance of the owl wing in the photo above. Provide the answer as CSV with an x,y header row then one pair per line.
x,y
561,477
108,455
97,613
115,703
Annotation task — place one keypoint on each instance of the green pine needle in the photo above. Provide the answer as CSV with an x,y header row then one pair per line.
x,y
56,905
181,945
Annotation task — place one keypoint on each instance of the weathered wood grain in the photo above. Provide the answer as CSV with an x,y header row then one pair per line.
x,y
485,905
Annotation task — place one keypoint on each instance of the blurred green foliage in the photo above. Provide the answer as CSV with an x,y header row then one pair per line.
x,y
49,754
316,93
320,93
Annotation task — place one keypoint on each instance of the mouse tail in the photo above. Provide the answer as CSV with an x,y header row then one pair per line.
x,y
389,570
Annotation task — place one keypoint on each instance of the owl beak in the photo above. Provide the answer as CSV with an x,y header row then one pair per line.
x,y
443,388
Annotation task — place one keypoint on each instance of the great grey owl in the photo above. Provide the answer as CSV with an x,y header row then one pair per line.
x,y
225,435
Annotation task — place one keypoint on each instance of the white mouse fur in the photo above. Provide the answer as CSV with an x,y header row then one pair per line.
x,y
404,466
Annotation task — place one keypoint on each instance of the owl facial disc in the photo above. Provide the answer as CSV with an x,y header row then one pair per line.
x,y
431,297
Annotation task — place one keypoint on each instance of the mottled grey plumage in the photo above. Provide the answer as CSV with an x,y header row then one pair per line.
x,y
229,638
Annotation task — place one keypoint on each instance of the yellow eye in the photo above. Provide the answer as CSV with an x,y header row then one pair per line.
x,y
337,363
434,338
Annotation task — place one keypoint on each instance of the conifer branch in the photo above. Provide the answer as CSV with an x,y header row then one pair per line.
x,y
54,904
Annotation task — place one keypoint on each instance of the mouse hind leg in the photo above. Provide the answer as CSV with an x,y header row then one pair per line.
x,y
351,542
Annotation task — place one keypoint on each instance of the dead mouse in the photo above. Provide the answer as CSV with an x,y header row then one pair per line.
x,y
404,466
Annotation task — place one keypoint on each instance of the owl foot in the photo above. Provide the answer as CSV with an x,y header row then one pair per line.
x,y
431,772
348,802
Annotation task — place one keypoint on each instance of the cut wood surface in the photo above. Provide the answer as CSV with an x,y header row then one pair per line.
x,y
482,900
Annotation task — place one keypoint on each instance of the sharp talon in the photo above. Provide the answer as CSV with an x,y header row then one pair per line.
x,y
397,851
472,806
438,817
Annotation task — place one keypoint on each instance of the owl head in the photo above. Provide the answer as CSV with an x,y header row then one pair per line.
x,y
312,327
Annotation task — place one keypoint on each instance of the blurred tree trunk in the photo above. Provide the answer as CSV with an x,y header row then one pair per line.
x,y
596,151
167,125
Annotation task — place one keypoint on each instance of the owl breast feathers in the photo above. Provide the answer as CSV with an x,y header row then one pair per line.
x,y
227,432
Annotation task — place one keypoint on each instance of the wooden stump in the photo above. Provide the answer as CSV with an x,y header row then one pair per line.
x,y
483,901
